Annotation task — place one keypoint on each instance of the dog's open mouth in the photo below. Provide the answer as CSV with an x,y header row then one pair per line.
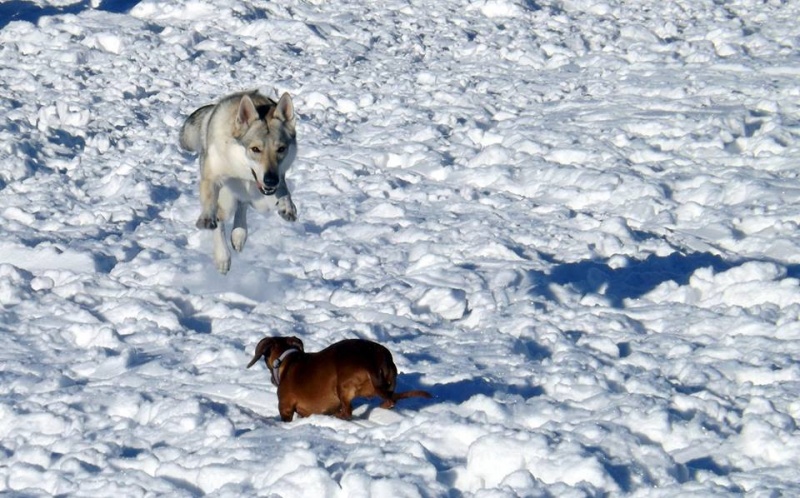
x,y
261,187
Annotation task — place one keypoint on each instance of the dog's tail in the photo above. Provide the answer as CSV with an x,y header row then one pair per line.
x,y
411,394
191,138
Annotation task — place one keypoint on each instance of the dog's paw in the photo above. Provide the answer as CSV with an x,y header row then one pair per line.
x,y
223,265
287,209
207,222
238,238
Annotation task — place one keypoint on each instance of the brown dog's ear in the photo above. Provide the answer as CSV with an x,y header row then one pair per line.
x,y
263,348
296,343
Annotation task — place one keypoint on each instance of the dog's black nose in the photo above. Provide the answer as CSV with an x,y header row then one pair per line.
x,y
271,180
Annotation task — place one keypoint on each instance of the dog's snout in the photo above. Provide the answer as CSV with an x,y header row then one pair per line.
x,y
271,180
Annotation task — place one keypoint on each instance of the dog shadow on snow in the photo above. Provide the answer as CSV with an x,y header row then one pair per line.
x,y
460,391
456,392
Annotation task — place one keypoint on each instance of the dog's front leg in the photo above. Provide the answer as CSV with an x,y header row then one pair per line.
x,y
222,255
239,232
286,207
209,196
286,410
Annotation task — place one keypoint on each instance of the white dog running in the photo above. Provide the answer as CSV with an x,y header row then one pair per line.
x,y
246,142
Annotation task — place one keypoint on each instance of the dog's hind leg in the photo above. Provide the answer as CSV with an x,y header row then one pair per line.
x,y
388,402
383,389
222,255
384,379
346,395
239,232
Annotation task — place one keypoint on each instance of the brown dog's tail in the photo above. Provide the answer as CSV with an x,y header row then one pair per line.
x,y
411,394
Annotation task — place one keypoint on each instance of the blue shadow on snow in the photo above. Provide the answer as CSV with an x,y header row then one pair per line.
x,y
21,10
629,282
708,465
462,390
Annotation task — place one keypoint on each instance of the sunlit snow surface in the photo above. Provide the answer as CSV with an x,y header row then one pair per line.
x,y
575,222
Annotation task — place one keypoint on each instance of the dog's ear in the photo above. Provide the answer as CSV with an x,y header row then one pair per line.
x,y
246,115
295,343
263,348
285,110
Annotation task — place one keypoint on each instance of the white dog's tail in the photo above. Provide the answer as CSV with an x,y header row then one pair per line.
x,y
192,129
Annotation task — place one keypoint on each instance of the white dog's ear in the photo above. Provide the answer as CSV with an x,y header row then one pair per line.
x,y
285,110
247,113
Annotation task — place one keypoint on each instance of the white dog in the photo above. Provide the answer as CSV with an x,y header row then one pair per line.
x,y
246,142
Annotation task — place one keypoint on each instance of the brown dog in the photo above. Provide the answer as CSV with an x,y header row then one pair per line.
x,y
327,382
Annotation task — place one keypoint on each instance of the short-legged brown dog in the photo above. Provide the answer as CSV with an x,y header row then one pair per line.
x,y
327,382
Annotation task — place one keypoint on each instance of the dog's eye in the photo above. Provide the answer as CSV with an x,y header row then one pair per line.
x,y
255,150
281,149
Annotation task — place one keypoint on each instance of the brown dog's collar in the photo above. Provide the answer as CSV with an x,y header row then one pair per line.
x,y
276,365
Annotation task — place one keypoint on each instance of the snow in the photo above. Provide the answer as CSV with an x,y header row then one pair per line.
x,y
574,222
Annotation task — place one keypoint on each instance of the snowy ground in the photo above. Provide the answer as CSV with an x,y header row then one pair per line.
x,y
574,221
